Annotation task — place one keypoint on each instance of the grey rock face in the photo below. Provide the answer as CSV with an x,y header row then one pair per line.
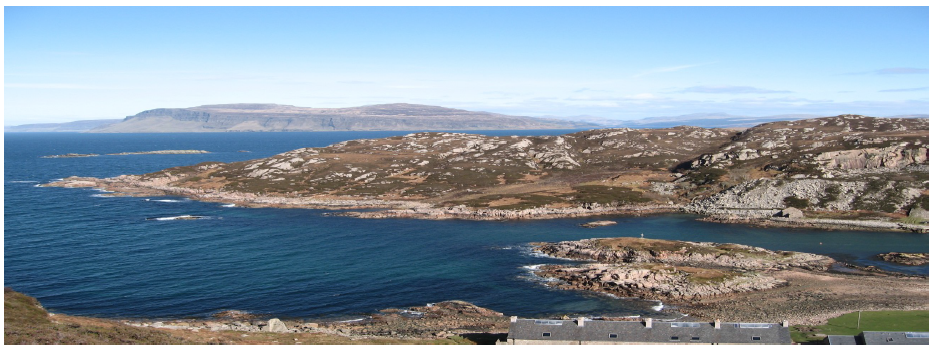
x,y
919,213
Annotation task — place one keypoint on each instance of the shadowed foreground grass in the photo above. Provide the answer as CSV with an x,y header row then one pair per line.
x,y
25,322
850,324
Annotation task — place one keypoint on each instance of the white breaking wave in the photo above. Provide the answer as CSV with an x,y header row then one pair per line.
x,y
351,321
24,181
531,275
230,205
102,190
180,217
164,200
658,307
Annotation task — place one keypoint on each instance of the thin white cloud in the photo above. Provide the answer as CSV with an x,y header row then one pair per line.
x,y
730,90
668,69
918,89
902,71
51,86
893,71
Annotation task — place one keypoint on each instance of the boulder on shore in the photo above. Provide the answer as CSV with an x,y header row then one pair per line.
x,y
275,325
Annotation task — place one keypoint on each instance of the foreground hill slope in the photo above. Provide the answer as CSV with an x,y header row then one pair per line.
x,y
843,163
280,118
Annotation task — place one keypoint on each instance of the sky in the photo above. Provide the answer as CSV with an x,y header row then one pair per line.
x,y
74,63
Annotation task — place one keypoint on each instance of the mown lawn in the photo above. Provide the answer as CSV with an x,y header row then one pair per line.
x,y
851,324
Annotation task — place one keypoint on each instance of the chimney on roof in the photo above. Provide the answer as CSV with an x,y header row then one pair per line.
x,y
513,318
649,323
581,321
718,324
785,324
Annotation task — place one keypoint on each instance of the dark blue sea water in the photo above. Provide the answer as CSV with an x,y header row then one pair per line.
x,y
83,254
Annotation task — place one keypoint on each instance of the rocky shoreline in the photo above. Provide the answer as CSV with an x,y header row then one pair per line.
x,y
730,282
432,321
136,186
825,224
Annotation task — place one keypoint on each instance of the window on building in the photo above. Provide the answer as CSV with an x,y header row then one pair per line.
x,y
756,338
546,334
694,338
675,338
613,336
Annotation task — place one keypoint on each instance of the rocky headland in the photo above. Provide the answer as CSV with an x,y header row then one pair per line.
x,y
729,281
846,171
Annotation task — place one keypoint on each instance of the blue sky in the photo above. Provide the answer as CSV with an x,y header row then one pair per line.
x,y
70,63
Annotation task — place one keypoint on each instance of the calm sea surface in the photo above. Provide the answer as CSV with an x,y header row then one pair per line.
x,y
84,254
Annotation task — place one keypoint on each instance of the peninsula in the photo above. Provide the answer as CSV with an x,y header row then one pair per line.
x,y
847,171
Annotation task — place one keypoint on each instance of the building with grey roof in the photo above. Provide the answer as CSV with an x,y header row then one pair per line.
x,y
880,338
648,332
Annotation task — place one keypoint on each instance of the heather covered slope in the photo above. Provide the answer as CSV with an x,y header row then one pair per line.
x,y
281,118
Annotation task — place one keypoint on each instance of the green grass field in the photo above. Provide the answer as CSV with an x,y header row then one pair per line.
x,y
851,324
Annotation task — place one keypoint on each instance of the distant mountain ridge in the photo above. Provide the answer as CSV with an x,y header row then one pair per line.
x,y
74,126
401,116
287,118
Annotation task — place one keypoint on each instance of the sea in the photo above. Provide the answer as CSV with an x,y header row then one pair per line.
x,y
82,252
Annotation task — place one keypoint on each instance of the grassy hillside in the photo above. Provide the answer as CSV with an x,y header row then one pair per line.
x,y
850,324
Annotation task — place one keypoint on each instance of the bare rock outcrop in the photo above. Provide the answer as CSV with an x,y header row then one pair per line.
x,y
905,258
671,270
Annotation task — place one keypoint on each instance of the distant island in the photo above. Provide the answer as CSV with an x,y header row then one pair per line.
x,y
74,126
288,118
847,171
77,155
